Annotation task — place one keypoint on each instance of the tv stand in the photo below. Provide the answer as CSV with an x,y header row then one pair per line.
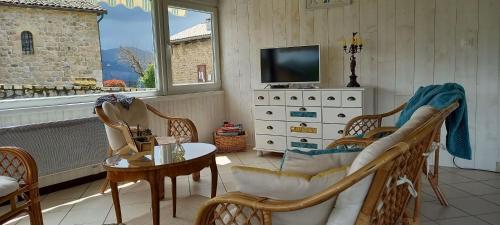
x,y
279,86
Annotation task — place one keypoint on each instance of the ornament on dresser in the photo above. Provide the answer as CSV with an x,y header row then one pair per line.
x,y
354,47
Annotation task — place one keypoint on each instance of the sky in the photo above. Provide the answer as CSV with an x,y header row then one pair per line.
x,y
133,27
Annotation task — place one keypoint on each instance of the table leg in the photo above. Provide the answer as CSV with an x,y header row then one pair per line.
x,y
161,186
213,170
174,196
155,200
196,176
116,201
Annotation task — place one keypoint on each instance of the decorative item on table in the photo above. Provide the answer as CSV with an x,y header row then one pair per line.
x,y
230,138
143,138
172,149
352,49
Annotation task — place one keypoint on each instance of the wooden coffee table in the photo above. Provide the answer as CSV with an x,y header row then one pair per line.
x,y
155,167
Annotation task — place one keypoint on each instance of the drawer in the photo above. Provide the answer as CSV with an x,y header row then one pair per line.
x,y
294,98
352,99
311,98
331,99
303,114
333,131
301,129
270,113
270,127
269,142
261,98
304,144
340,115
277,98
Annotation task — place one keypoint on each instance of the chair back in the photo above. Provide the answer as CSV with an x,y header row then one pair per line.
x,y
117,120
389,192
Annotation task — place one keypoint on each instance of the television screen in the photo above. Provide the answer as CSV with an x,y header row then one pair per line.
x,y
290,65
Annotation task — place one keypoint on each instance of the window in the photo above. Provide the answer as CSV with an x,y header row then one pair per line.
x,y
193,48
122,48
27,43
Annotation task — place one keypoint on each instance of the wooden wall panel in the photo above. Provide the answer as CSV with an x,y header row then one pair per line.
x,y
407,44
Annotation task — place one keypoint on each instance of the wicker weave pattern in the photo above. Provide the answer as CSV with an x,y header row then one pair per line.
x,y
362,126
179,128
12,166
394,198
231,214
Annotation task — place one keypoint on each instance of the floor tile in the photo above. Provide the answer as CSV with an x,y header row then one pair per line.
x,y
495,198
477,188
492,218
434,211
479,175
462,221
70,193
448,190
85,216
429,223
493,183
474,205
48,219
453,178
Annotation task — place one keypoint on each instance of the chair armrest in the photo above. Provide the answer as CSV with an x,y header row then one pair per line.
x,y
261,208
374,134
351,141
362,124
178,126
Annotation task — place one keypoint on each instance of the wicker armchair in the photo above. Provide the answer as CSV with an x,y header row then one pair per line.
x,y
370,127
403,159
18,164
176,127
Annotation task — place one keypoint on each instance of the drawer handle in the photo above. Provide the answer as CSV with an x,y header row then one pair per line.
x,y
341,115
303,140
302,109
270,142
269,113
260,97
303,124
294,98
351,99
340,132
312,98
276,98
270,127
331,98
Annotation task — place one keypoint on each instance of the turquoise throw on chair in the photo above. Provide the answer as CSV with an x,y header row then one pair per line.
x,y
439,97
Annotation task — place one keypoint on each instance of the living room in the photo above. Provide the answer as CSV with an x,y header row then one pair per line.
x,y
250,89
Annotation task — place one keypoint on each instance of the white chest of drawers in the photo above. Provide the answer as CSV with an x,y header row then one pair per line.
x,y
306,119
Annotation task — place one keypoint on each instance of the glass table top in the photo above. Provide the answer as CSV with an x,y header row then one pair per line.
x,y
162,155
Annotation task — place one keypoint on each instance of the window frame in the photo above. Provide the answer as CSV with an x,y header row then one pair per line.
x,y
170,88
161,41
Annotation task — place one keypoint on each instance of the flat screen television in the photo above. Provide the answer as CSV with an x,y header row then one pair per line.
x,y
290,65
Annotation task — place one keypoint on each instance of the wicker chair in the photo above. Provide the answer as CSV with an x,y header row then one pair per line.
x,y
370,126
403,159
18,164
176,126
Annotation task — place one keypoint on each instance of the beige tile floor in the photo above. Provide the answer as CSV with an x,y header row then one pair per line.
x,y
474,196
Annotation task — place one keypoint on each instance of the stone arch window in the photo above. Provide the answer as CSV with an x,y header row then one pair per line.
x,y
27,43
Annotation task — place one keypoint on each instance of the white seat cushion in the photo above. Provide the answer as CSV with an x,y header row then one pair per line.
x,y
350,201
7,185
289,186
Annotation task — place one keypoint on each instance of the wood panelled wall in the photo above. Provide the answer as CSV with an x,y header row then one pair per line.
x,y
408,43
205,109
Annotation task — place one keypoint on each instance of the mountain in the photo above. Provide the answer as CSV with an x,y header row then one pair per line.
x,y
115,68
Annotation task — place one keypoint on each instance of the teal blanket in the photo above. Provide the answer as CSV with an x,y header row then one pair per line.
x,y
439,97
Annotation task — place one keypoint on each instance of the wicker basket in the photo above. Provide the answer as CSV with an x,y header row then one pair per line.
x,y
227,144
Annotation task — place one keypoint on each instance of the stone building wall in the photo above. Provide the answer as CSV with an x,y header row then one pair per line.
x,y
66,46
187,55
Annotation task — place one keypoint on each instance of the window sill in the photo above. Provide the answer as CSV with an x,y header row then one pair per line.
x,y
53,102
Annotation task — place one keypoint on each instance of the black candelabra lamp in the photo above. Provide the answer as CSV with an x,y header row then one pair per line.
x,y
354,47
